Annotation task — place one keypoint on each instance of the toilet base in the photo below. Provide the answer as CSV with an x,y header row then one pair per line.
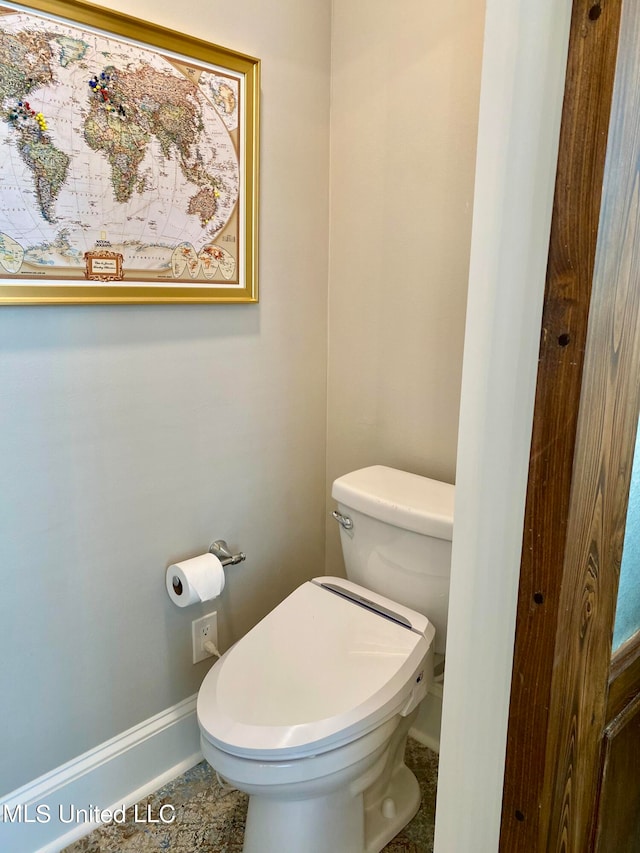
x,y
385,819
338,822
361,816
317,825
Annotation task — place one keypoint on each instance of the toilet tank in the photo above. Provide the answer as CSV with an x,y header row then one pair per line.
x,y
399,543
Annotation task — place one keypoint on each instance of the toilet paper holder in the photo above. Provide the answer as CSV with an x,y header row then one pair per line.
x,y
220,549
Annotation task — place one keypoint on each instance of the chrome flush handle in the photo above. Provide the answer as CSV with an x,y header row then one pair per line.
x,y
343,520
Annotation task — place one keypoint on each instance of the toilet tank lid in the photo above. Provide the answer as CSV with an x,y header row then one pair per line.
x,y
397,497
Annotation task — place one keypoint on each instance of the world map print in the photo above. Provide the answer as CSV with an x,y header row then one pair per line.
x,y
112,149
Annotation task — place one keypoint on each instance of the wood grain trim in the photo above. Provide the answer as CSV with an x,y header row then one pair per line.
x,y
607,425
583,137
624,677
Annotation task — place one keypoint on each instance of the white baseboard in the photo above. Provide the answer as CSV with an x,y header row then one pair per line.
x,y
37,817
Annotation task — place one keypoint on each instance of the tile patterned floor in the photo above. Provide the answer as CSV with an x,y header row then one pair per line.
x,y
211,820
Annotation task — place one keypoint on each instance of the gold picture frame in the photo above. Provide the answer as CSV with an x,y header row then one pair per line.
x,y
130,161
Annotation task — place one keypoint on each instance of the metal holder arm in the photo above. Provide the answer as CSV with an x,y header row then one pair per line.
x,y
220,549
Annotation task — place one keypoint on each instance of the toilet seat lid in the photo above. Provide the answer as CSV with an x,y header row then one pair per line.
x,y
318,671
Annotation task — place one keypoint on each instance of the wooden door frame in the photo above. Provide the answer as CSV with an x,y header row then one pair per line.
x,y
585,417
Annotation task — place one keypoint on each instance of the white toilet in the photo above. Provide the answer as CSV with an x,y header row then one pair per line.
x,y
309,712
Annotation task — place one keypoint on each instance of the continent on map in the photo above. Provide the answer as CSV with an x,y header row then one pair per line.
x,y
49,167
59,252
128,108
123,145
203,204
25,62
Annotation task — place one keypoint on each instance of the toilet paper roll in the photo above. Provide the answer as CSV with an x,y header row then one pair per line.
x,y
198,579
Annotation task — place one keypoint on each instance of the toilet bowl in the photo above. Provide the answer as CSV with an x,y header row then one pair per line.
x,y
309,714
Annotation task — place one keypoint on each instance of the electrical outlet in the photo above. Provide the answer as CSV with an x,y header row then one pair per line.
x,y
203,630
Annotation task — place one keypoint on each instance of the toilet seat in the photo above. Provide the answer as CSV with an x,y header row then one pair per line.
x,y
326,666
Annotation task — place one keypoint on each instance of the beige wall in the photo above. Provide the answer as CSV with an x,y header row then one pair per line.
x,y
404,104
133,436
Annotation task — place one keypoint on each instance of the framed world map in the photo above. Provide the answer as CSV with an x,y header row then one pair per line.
x,y
129,161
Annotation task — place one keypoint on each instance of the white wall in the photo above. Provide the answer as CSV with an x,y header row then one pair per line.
x,y
523,72
404,105
133,436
